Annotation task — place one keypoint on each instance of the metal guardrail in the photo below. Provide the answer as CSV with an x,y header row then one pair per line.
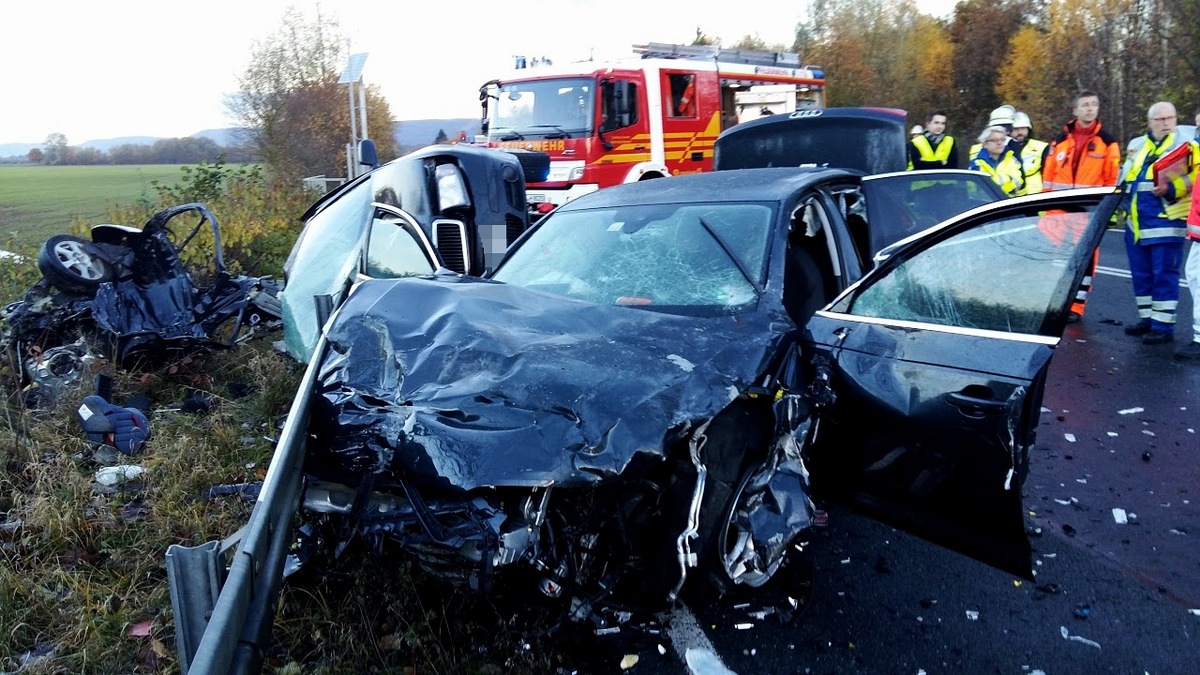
x,y
223,619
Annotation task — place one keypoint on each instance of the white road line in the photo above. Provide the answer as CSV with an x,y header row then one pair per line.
x,y
1124,274
692,645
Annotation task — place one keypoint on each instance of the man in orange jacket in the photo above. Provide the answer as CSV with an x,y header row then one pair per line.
x,y
1082,155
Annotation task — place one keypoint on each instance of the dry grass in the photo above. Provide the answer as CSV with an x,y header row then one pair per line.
x,y
81,565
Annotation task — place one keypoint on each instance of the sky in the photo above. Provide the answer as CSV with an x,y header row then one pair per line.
x,y
97,70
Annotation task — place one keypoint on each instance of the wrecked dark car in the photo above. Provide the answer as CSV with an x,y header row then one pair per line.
x,y
634,400
126,295
640,403
455,207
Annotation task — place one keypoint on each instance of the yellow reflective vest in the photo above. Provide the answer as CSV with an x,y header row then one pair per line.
x,y
1006,173
1152,217
928,155
1032,154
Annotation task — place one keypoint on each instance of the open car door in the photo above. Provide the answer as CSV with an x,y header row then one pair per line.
x,y
938,359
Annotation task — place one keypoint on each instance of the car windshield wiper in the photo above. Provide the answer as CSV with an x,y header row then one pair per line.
x,y
512,135
729,252
558,132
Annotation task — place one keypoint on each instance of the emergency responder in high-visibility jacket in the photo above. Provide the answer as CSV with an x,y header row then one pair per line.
x,y
998,161
1030,151
1191,270
934,149
1082,155
1158,201
1000,117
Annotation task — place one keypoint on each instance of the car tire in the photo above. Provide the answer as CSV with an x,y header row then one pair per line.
x,y
734,450
73,265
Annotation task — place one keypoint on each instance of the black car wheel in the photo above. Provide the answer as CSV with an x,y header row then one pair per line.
x,y
73,265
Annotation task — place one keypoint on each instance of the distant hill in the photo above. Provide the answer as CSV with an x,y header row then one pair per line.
x,y
414,134
409,135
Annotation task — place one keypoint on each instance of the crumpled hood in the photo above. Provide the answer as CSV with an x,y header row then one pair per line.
x,y
473,383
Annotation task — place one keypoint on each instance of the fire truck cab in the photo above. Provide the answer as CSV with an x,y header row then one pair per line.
x,y
650,116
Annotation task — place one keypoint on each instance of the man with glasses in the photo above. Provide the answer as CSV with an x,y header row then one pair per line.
x,y
1158,198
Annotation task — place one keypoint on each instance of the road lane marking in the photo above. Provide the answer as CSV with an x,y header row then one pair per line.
x,y
692,645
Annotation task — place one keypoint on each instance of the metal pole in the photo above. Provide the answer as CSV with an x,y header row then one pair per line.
x,y
351,164
362,108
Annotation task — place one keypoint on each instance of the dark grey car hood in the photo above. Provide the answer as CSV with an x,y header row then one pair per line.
x,y
470,383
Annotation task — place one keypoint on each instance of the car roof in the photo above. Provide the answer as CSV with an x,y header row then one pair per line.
x,y
743,185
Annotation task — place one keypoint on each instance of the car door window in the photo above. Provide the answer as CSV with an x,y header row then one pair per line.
x,y
1004,275
323,264
394,248
901,204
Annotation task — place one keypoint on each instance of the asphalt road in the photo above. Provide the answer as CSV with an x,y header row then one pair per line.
x,y
1119,431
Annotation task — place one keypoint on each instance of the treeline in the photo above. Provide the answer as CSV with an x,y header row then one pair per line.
x,y
190,150
1032,54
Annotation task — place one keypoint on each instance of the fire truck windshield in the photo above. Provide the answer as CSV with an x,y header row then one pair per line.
x,y
551,108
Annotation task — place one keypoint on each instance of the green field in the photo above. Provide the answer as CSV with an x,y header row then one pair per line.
x,y
39,201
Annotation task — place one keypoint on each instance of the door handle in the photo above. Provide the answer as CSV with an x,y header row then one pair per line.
x,y
976,406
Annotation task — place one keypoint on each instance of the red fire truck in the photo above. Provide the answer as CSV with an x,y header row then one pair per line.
x,y
652,115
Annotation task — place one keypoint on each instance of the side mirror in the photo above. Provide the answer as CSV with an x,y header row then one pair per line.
x,y
367,154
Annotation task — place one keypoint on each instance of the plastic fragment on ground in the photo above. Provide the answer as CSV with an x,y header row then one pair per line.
x,y
629,661
1112,434
1194,612
662,651
973,614
1075,638
1070,437
1130,411
115,475
141,629
1148,432
1120,517
743,626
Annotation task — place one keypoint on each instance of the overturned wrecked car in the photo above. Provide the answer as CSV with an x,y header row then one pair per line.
x,y
126,295
642,399
453,207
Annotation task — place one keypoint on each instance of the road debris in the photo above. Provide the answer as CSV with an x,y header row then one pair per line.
x,y
1075,638
1070,437
973,614
121,473
1130,411
126,429
629,661
1120,517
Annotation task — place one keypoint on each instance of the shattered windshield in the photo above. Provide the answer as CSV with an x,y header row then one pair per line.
x,y
560,108
1008,275
657,256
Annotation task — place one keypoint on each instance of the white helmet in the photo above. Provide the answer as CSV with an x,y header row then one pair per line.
x,y
1001,116
1021,120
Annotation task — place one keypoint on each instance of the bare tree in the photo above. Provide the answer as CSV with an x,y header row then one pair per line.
x,y
56,148
296,114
